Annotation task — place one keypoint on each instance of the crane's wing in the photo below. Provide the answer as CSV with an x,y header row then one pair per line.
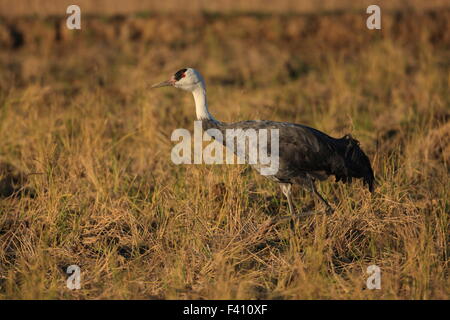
x,y
303,149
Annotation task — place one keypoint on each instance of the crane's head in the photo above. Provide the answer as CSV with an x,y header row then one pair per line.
x,y
187,79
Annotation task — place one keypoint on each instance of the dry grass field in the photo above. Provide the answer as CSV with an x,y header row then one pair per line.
x,y
86,176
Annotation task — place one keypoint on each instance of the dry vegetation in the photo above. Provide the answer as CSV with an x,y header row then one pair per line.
x,y
86,176
110,7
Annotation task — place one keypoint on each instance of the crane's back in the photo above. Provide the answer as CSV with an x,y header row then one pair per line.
x,y
305,150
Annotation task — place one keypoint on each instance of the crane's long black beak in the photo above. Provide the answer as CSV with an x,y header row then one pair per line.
x,y
163,84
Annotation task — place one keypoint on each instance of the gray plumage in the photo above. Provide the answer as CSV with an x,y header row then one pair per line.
x,y
307,154
305,151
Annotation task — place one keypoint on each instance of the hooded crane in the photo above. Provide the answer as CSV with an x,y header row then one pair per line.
x,y
305,154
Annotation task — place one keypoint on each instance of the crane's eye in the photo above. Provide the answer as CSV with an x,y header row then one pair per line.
x,y
180,74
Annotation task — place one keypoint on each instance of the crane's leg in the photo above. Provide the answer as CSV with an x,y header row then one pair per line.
x,y
286,189
314,190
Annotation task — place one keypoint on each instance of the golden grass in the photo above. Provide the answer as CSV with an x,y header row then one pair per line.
x,y
111,7
86,176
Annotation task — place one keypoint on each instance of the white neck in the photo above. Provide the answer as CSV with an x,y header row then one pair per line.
x,y
201,104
